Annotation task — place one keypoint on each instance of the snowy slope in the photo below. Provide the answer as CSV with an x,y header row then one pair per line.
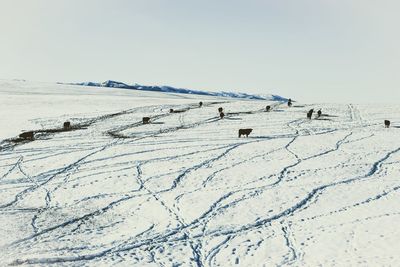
x,y
27,105
186,191
169,89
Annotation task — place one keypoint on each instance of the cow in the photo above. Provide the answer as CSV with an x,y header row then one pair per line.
x,y
220,109
245,132
146,120
267,108
309,113
171,110
387,123
27,135
67,125
221,115
319,113
289,103
200,104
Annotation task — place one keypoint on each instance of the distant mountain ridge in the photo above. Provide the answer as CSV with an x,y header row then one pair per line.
x,y
169,89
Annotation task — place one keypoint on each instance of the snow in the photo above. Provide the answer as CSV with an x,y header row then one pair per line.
x,y
169,89
184,190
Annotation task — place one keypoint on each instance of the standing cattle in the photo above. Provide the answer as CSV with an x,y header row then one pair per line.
x,y
27,135
221,115
171,110
67,125
387,123
289,103
309,113
200,104
267,108
220,109
319,113
245,132
146,120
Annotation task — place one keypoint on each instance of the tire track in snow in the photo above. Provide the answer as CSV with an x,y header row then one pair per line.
x,y
211,176
258,190
9,144
284,171
54,173
193,237
48,199
312,196
69,222
293,254
73,258
95,213
195,247
205,163
116,131
214,208
215,250
68,168
33,221
366,201
104,209
13,167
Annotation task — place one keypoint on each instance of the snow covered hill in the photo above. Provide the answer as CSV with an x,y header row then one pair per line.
x,y
169,89
184,190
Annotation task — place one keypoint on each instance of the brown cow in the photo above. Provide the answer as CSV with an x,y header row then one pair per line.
x,y
146,120
387,123
245,132
221,115
27,135
67,125
220,109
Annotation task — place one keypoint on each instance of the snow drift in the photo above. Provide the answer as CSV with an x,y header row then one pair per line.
x,y
169,89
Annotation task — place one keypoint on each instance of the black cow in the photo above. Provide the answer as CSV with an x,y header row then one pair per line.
x,y
267,108
27,135
309,113
387,124
319,113
245,132
200,104
146,120
171,110
67,125
289,103
220,109
221,115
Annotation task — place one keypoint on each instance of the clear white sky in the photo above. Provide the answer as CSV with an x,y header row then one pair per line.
x,y
310,50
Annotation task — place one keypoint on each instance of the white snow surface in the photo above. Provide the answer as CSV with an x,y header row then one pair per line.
x,y
170,89
184,190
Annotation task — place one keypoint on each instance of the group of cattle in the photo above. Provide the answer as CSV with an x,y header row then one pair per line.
x,y
30,134
246,132
146,120
311,111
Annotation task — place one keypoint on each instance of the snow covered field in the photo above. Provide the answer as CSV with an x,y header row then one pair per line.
x,y
185,190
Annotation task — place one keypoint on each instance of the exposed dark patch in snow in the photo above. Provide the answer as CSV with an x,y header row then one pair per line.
x,y
170,89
